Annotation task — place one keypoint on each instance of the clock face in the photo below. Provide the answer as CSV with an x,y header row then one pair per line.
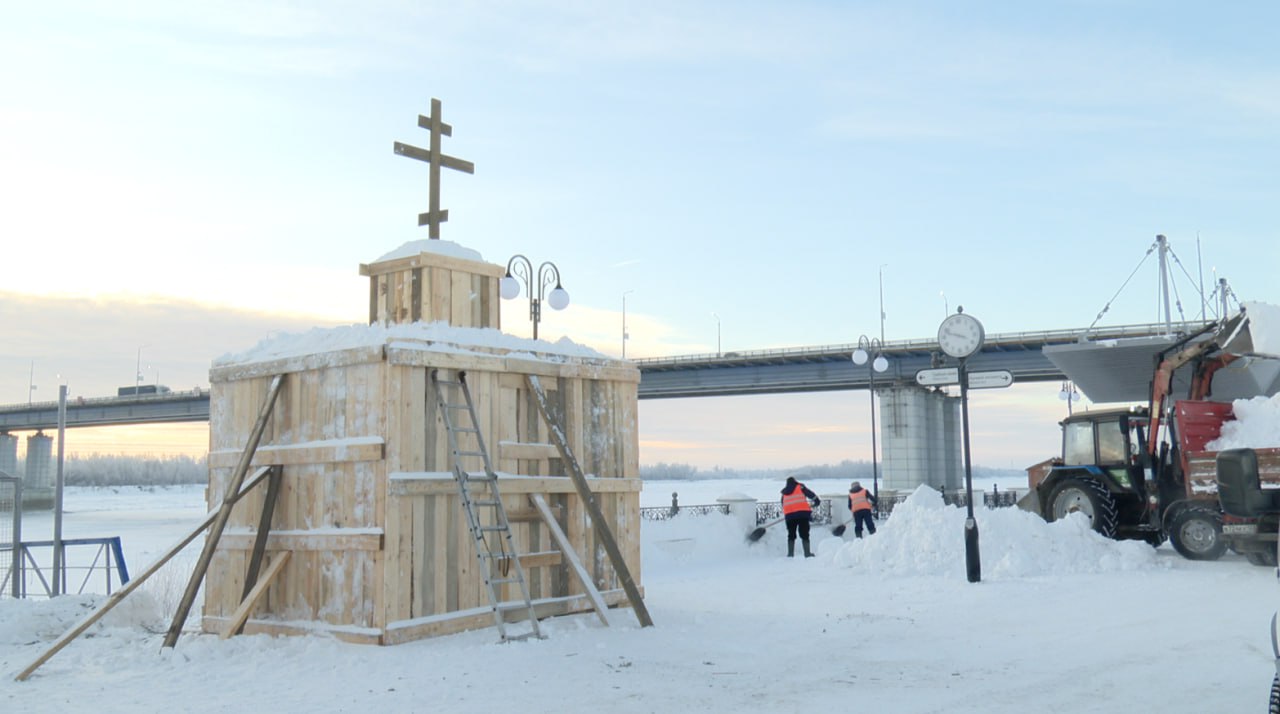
x,y
960,335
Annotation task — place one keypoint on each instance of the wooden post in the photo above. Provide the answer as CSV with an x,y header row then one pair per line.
x,y
260,540
224,514
589,500
566,549
251,598
132,585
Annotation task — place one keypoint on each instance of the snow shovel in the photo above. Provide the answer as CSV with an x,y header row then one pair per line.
x,y
839,530
758,533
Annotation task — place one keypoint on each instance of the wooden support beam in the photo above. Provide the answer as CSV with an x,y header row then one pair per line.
x,y
254,594
115,597
589,501
264,528
224,514
575,565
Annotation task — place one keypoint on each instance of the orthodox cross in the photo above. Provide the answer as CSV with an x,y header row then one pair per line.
x,y
434,216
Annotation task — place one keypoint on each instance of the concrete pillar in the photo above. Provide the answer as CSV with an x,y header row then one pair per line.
x,y
9,454
39,462
952,465
742,508
921,438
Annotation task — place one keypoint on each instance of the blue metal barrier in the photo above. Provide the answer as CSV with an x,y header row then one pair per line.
x,y
108,558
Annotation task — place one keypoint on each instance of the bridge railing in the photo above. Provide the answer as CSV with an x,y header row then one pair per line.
x,y
107,401
928,344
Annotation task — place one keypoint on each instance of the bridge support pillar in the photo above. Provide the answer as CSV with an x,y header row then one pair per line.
x,y
920,431
37,484
9,454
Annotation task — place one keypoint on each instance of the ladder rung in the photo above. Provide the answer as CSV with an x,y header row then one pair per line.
x,y
494,528
468,453
511,605
503,581
490,504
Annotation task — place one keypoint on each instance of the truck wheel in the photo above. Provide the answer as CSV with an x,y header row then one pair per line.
x,y
1275,695
1087,496
1265,558
1196,533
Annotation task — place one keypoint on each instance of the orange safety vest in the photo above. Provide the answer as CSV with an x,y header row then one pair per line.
x,y
859,501
796,501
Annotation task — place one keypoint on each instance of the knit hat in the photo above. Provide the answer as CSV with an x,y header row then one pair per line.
x,y
855,486
791,480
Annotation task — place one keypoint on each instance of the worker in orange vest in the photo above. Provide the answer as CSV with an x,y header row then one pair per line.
x,y
798,503
861,503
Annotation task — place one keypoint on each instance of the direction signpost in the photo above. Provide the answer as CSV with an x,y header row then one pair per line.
x,y
994,379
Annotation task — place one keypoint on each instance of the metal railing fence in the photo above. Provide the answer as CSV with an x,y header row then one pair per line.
x,y
10,534
31,572
769,511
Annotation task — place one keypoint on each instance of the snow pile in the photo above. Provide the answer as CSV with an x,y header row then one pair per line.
x,y
1264,327
439,247
439,335
924,536
33,620
1256,425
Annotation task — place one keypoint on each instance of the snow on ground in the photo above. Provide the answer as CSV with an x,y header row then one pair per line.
x,y
1062,621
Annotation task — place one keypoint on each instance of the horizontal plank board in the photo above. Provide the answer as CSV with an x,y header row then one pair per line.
x,y
329,539
403,631
427,259
363,354
526,450
404,484
330,451
346,633
492,359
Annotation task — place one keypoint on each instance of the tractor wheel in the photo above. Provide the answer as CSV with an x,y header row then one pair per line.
x,y
1266,558
1275,695
1196,533
1088,496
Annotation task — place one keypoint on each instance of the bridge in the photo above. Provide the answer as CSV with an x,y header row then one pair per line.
x,y
773,371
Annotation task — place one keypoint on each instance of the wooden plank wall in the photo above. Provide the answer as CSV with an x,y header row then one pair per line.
x,y
444,576
369,550
331,502
431,287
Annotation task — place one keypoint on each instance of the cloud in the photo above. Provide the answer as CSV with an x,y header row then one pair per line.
x,y
95,344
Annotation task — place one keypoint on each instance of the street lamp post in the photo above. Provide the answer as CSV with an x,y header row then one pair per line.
x,y
717,317
872,349
520,267
625,336
1069,394
137,380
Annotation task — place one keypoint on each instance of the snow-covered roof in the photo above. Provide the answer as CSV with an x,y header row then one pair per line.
x,y
437,336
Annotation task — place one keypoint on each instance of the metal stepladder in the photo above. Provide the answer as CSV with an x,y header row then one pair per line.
x,y
495,549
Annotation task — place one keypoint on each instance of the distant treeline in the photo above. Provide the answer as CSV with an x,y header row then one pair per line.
x,y
111,470
848,470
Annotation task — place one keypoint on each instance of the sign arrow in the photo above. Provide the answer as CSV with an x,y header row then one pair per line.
x,y
938,377
993,379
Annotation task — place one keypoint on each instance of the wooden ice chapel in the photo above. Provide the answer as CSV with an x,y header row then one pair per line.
x,y
433,476
419,476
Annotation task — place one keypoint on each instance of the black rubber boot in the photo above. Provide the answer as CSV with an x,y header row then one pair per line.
x,y
807,552
791,547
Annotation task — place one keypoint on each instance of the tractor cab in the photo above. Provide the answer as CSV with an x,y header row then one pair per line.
x,y
1103,473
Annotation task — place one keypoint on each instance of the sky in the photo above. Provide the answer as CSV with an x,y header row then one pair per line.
x,y
889,620
178,181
